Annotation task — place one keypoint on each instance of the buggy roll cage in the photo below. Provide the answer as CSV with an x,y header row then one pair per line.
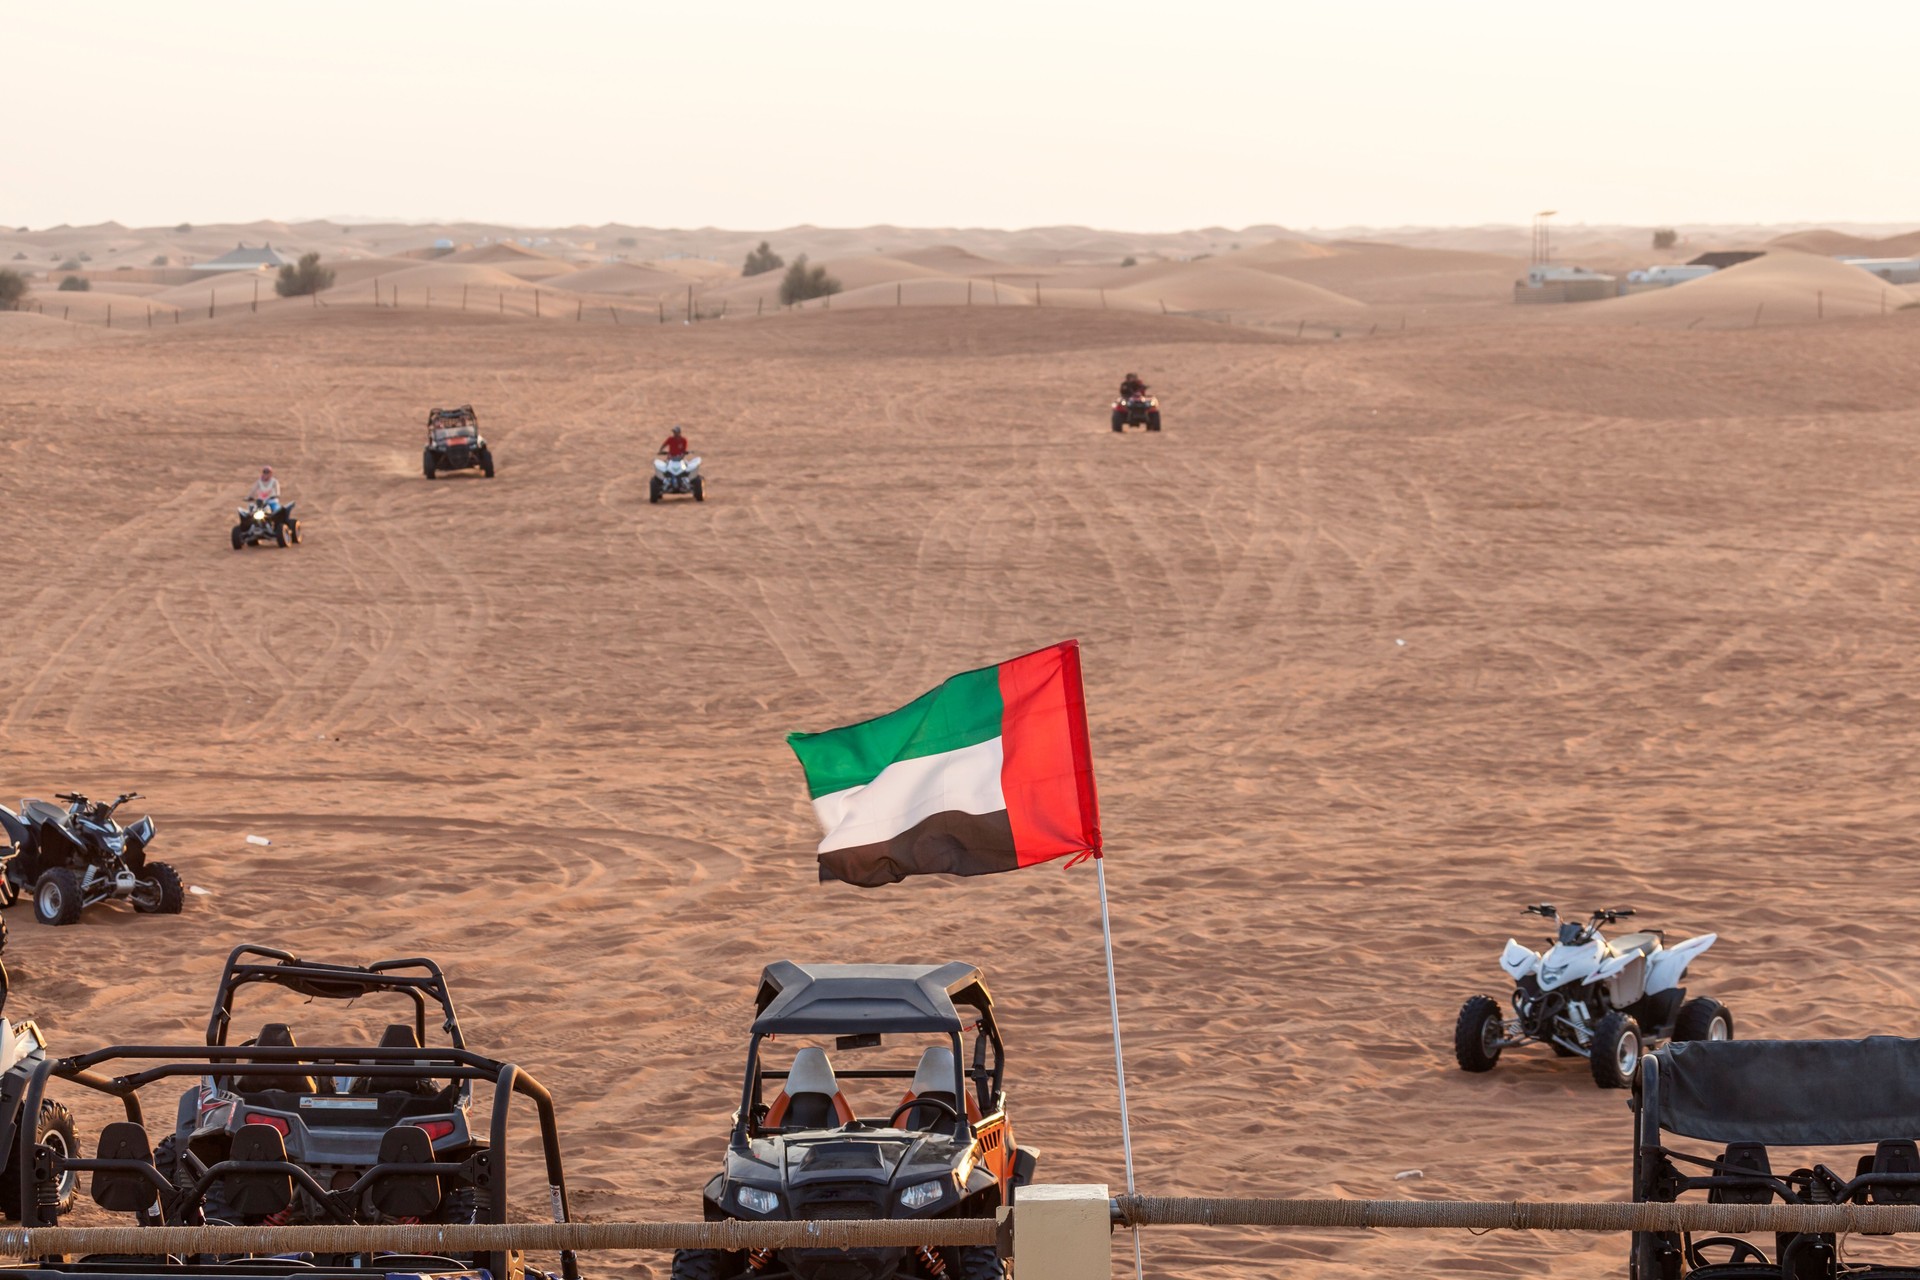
x,y
418,978
1755,1094
857,1004
486,1170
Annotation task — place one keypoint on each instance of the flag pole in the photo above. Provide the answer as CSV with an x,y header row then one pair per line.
x,y
1119,1058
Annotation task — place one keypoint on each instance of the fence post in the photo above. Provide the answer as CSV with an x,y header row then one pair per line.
x,y
1103,299
662,304
256,294
536,304
1064,1232
376,291
760,307
149,315
969,290
898,287
463,297
580,309
689,304
1036,293
500,296
613,313
109,315
209,304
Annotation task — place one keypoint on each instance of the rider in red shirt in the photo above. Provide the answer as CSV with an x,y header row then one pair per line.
x,y
676,445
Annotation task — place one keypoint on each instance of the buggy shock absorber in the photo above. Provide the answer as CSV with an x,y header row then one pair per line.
x,y
759,1259
935,1265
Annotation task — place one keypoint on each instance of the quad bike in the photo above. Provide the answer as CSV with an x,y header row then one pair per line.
x,y
944,1150
260,523
23,1053
676,475
70,859
1606,1001
454,443
1137,410
330,1121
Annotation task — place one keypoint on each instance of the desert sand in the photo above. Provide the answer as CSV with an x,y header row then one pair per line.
x,y
1383,638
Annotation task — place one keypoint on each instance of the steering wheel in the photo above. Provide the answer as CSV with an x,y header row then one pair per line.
x,y
1741,1251
945,1107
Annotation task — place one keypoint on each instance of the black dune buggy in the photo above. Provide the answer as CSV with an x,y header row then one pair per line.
x,y
454,443
943,1149
1744,1103
72,858
275,1134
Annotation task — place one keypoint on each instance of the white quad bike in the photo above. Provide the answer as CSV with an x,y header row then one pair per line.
x,y
1607,1001
676,475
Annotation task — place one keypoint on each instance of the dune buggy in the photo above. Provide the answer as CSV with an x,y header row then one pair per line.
x,y
944,1149
454,443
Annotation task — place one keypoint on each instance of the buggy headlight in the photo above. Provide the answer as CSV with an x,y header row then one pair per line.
x,y
754,1200
922,1194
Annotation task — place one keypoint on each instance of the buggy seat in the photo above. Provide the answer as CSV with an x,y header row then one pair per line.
x,y
933,1081
811,1098
276,1035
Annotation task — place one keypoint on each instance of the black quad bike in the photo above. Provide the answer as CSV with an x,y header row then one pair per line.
x,y
257,523
943,1149
1137,410
454,443
70,859
331,1123
253,1169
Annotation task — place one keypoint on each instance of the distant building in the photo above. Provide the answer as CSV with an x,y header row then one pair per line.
x,y
1892,270
1721,259
1667,275
1547,282
241,258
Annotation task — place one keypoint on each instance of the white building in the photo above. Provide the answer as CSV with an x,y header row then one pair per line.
x,y
1892,270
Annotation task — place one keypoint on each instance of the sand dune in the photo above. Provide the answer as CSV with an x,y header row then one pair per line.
x,y
1212,285
91,307
623,278
1782,288
1394,274
27,330
511,259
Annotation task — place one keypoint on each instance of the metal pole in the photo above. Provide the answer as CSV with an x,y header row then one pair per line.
x,y
1119,1058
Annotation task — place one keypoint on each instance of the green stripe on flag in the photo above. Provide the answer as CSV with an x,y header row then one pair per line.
x,y
963,712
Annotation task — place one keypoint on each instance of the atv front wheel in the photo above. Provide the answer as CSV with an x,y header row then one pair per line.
x,y
707,1264
699,489
975,1262
239,538
1478,1033
56,898
426,464
1153,422
1616,1051
167,897
279,535
55,1131
486,463
1703,1018
655,490
1119,422
293,531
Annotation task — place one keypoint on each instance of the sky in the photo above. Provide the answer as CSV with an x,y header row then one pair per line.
x,y
1146,117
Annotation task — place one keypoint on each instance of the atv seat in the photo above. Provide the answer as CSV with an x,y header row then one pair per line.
x,y
811,1098
1629,943
407,1195
933,1081
124,1190
276,1035
42,811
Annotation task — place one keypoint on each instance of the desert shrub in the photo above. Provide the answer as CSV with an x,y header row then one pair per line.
x,y
1129,261
627,242
1665,238
13,289
308,277
803,282
71,264
184,227
762,260
19,257
85,256
159,261
75,284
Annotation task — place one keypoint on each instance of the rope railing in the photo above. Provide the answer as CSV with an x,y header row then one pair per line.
x,y
1514,1215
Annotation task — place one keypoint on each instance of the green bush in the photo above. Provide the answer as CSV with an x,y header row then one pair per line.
x,y
308,277
13,289
1129,261
160,261
803,282
627,242
75,284
1665,238
71,264
184,227
762,260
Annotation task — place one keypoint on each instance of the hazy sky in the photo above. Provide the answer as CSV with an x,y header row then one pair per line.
x,y
850,112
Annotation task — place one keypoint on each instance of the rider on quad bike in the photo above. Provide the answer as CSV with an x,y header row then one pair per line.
x,y
675,445
1131,386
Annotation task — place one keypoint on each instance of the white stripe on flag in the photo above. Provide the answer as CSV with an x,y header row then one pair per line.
x,y
908,792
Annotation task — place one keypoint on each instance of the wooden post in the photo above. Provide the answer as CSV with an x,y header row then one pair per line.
x,y
256,293
1756,314
376,291
429,298
1163,306
209,304
149,315
1300,330
1103,299
176,315
996,289
1820,305
1036,293
109,315
662,304
463,297
612,312
500,295
579,309
689,304
536,304
897,292
969,290
759,307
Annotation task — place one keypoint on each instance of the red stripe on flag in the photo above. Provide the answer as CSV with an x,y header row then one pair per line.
x,y
1046,772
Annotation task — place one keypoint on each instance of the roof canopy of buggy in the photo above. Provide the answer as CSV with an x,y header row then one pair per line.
x,y
1790,1092
852,999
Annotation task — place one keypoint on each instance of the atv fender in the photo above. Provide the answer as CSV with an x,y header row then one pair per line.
x,y
1518,961
15,829
1668,968
1611,968
1025,1161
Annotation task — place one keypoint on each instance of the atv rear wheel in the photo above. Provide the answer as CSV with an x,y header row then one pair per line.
x,y
426,463
1119,421
279,534
56,898
1703,1018
1477,1034
1616,1051
707,1264
486,463
239,538
168,896
55,1130
699,489
975,1262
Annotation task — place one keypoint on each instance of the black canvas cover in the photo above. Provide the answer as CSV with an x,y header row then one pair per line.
x,y
1791,1092
838,999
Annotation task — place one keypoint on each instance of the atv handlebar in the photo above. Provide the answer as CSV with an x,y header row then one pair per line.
x,y
1545,909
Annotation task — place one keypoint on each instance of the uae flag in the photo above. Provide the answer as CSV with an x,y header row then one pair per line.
x,y
988,772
